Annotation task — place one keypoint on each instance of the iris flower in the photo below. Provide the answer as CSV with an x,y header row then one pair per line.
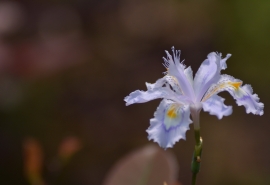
x,y
183,95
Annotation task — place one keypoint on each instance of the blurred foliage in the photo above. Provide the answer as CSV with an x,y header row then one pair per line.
x,y
65,67
34,160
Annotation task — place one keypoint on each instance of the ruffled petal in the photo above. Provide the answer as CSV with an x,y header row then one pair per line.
x,y
215,106
176,69
208,73
242,94
170,123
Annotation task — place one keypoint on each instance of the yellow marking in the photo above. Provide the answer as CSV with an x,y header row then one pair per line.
x,y
172,112
236,85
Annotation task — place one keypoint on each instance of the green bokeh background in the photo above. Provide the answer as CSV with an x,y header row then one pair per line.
x,y
67,66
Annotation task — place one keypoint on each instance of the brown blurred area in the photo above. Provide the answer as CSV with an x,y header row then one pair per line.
x,y
65,67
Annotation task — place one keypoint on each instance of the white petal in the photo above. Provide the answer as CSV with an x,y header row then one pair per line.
x,y
208,73
215,106
176,69
242,94
170,123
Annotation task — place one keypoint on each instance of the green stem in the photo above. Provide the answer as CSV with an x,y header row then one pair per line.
x,y
197,134
196,159
194,179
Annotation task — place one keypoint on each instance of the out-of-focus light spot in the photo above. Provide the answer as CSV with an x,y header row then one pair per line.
x,y
69,147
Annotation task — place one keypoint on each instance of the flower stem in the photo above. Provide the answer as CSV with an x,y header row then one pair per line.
x,y
194,176
196,159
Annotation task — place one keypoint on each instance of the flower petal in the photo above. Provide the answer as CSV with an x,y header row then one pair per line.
x,y
215,106
223,64
166,87
242,94
170,123
169,81
208,73
189,74
176,69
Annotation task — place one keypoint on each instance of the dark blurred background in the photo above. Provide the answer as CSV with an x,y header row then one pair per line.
x,y
65,67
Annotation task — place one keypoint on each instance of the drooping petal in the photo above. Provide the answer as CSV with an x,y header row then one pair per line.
x,y
143,96
208,73
166,87
215,106
242,94
170,123
176,69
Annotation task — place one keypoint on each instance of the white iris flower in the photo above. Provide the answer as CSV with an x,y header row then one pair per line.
x,y
182,95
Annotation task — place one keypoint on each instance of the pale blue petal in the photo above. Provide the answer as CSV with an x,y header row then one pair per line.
x,y
215,106
223,62
145,96
176,69
242,94
142,96
170,123
208,73
166,87
167,81
251,102
189,74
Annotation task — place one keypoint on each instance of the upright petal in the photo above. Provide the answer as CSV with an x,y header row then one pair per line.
x,y
215,106
242,94
223,64
176,69
189,74
208,73
170,123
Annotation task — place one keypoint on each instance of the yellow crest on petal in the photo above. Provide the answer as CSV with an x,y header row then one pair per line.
x,y
227,83
236,85
172,112
173,115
